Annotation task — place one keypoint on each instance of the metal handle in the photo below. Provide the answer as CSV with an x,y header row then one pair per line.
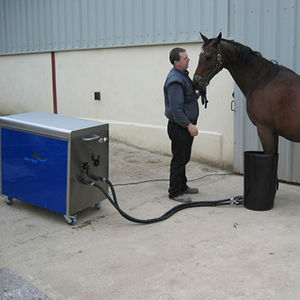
x,y
232,106
92,138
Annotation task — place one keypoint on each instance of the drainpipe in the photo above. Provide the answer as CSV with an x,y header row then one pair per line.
x,y
54,82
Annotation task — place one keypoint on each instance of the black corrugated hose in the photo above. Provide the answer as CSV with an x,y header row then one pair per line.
x,y
237,200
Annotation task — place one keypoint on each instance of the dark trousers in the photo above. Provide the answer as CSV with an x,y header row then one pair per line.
x,y
181,144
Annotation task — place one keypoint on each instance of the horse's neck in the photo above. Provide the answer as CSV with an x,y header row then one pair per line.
x,y
247,76
238,75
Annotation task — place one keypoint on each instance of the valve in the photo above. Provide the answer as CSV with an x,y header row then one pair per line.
x,y
84,167
96,160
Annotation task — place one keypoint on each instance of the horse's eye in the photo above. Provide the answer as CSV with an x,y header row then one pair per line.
x,y
208,57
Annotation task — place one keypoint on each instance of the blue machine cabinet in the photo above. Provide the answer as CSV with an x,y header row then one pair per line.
x,y
42,156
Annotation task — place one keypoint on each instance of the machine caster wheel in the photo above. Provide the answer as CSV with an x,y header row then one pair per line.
x,y
71,220
98,205
9,201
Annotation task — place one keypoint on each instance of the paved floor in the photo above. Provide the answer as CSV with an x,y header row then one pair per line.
x,y
199,253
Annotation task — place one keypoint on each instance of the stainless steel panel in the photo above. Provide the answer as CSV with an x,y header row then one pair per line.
x,y
91,145
48,124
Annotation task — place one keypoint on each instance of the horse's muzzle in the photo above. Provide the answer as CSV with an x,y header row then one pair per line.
x,y
200,84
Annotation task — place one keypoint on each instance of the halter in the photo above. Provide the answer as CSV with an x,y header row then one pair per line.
x,y
214,71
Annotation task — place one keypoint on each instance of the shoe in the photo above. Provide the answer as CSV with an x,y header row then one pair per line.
x,y
181,198
191,191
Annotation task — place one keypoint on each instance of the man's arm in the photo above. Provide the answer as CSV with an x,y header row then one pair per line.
x,y
176,102
176,97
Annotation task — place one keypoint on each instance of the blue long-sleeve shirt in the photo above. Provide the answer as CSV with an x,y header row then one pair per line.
x,y
181,103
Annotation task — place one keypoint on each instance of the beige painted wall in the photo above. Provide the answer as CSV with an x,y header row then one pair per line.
x,y
25,83
131,84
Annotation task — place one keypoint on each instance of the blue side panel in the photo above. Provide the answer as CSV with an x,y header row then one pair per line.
x,y
34,169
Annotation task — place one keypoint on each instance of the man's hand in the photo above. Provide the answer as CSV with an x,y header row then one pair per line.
x,y
192,129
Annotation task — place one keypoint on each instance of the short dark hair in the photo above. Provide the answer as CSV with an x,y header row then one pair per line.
x,y
175,54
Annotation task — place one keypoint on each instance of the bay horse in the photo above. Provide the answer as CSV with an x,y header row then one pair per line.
x,y
272,91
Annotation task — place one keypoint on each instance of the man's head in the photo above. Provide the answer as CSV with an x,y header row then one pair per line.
x,y
179,58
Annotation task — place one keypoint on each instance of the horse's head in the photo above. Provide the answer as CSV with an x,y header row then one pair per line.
x,y
210,62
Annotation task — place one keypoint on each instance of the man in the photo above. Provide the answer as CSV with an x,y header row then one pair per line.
x,y
182,110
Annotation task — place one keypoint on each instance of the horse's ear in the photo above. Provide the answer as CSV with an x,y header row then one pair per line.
x,y
219,37
204,38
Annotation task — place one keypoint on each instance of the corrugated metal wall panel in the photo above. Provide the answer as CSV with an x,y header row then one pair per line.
x,y
2,27
57,25
271,27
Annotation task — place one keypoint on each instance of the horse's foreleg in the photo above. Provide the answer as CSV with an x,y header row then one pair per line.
x,y
269,139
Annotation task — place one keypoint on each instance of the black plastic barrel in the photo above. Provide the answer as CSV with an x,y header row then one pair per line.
x,y
260,180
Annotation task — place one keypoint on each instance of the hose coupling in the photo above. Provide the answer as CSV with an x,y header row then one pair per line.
x,y
91,183
103,179
237,200
98,178
87,182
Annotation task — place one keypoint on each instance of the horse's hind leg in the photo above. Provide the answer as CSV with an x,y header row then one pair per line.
x,y
269,139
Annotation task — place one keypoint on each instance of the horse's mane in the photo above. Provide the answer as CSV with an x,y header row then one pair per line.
x,y
245,53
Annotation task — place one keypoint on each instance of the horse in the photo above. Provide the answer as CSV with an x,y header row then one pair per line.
x,y
272,91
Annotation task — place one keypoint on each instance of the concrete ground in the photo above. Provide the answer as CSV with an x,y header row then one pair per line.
x,y
226,252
